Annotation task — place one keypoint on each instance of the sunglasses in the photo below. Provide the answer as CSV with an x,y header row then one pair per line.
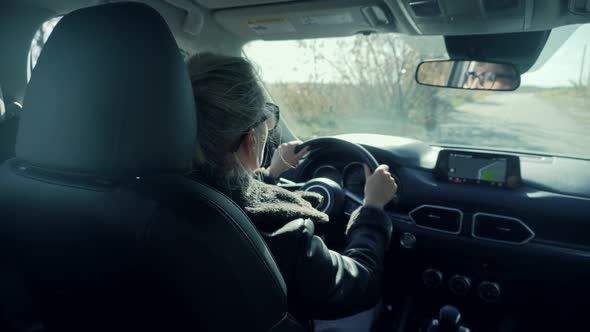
x,y
271,117
486,77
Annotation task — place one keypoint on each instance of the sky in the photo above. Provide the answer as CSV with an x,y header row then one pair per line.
x,y
277,59
565,64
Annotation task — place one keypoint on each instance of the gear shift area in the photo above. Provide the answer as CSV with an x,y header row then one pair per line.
x,y
449,320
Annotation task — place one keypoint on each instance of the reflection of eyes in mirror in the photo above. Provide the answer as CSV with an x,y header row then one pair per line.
x,y
487,80
489,76
473,75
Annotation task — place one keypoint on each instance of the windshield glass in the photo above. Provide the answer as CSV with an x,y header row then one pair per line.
x,y
365,84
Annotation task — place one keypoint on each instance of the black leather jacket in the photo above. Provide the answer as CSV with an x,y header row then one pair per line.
x,y
321,283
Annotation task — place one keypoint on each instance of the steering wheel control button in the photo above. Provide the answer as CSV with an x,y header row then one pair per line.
x,y
459,284
493,227
489,291
438,218
407,240
432,278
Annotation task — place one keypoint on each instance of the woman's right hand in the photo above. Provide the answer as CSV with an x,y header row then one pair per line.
x,y
380,187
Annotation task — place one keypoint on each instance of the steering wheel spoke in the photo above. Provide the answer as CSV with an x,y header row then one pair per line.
x,y
353,197
289,185
352,202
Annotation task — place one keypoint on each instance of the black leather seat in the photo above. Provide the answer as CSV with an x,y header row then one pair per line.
x,y
97,217
8,130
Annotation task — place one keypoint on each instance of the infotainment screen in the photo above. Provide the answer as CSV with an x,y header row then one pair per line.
x,y
494,170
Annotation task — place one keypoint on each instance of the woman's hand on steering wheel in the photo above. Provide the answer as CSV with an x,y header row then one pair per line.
x,y
380,187
285,158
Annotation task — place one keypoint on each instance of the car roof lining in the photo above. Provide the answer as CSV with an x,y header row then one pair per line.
x,y
228,19
200,25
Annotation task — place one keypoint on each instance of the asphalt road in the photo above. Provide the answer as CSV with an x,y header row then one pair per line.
x,y
520,121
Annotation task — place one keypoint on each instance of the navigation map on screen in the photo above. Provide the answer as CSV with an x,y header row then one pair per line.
x,y
465,166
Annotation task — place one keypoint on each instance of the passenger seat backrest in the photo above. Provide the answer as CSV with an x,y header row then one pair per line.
x,y
97,215
8,130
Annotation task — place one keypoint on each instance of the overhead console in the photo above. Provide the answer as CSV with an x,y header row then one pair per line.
x,y
470,17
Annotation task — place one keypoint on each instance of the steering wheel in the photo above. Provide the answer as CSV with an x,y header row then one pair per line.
x,y
335,198
321,142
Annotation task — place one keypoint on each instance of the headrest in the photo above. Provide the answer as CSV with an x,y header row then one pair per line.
x,y
110,95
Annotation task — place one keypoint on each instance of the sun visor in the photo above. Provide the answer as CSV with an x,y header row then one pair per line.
x,y
314,19
521,49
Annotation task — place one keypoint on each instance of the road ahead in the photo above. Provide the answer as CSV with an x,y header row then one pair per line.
x,y
520,121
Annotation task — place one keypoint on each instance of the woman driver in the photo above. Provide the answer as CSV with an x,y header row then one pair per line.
x,y
233,125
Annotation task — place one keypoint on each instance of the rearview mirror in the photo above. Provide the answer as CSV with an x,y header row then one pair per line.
x,y
471,75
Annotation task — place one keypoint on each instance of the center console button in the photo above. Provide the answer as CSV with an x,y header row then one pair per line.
x,y
460,284
407,240
432,278
489,291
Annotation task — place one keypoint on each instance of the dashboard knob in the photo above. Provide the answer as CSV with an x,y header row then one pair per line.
x,y
407,240
489,291
432,278
459,284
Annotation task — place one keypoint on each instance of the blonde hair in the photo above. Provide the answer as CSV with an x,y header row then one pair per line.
x,y
229,100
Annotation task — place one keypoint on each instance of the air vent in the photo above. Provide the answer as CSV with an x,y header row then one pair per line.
x,y
500,229
500,5
580,7
425,8
439,218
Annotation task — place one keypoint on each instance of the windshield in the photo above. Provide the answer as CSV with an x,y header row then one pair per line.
x,y
365,84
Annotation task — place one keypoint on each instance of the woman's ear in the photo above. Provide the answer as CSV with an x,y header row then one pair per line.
x,y
250,141
247,150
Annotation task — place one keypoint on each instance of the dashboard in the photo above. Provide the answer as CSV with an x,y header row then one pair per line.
x,y
550,195
483,230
